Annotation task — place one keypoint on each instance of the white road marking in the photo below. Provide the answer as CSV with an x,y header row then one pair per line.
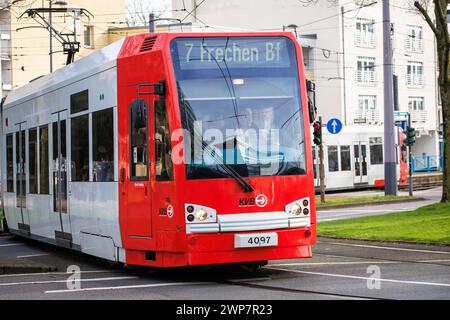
x,y
51,273
154,285
11,244
386,248
63,281
331,263
441,260
364,278
33,255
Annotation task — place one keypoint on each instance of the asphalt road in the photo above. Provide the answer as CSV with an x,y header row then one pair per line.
x,y
339,270
431,196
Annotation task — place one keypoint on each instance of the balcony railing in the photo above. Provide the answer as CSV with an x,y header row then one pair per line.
x,y
415,80
413,45
367,40
419,116
370,117
366,77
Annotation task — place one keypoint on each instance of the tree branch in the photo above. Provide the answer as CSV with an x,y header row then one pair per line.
x,y
426,16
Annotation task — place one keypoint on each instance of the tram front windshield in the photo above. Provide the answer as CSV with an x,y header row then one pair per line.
x,y
240,106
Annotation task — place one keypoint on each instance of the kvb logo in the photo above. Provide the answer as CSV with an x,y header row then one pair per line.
x,y
261,201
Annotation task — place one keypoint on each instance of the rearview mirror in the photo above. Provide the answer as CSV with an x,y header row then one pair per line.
x,y
311,91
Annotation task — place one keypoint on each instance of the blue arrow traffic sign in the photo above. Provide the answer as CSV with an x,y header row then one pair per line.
x,y
334,126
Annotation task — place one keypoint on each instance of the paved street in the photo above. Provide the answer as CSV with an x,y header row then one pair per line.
x,y
339,270
432,196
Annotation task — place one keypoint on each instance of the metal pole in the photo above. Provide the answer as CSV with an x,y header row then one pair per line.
x,y
321,170
51,36
343,65
151,23
390,172
410,183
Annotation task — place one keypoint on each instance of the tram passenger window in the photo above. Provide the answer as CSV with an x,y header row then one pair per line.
x,y
163,149
376,154
33,158
333,160
376,150
139,137
345,158
79,102
43,157
80,148
9,164
103,145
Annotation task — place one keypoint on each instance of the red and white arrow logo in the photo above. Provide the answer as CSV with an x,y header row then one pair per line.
x,y
261,201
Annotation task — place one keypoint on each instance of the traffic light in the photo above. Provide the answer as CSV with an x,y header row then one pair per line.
x,y
317,133
411,136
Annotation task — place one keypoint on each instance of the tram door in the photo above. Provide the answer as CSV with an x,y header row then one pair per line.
x,y
360,160
21,179
138,188
63,234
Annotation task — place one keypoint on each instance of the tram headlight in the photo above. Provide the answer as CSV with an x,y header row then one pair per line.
x,y
296,210
202,215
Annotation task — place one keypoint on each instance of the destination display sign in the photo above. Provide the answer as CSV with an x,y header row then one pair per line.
x,y
206,53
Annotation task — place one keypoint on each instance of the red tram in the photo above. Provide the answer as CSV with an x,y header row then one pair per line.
x,y
166,150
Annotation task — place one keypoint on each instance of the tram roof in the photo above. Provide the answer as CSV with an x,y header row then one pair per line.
x,y
98,61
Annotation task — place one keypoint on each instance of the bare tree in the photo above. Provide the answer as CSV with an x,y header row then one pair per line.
x,y
138,11
439,26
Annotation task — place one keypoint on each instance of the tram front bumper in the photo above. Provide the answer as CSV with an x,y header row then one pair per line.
x,y
221,247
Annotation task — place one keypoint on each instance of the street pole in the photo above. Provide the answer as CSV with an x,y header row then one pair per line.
x,y
410,182
390,172
51,35
321,170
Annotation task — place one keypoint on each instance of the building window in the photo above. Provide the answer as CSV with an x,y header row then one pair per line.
x,y
365,33
367,109
43,163
376,150
345,158
414,74
416,108
414,39
33,160
163,149
139,137
9,163
365,72
88,36
103,145
80,148
79,102
333,159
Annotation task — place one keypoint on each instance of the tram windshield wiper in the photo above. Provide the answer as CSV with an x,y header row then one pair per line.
x,y
227,168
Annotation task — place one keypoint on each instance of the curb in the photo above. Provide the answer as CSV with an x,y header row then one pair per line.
x,y
366,204
436,244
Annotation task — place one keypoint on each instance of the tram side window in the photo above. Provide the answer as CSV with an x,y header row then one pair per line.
x,y
9,164
163,149
139,138
376,151
345,158
79,102
103,145
43,157
80,148
33,158
333,159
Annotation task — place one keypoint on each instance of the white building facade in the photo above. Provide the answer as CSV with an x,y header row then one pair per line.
x,y
343,51
5,47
